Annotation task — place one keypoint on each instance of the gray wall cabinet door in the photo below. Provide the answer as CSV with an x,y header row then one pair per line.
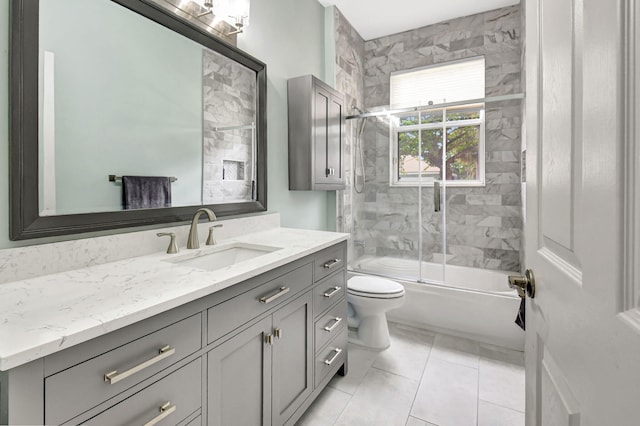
x,y
292,376
239,379
335,138
316,135
321,119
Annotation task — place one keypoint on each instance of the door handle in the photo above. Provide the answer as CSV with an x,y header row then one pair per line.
x,y
114,377
330,264
436,196
281,292
525,285
336,354
336,321
329,294
165,410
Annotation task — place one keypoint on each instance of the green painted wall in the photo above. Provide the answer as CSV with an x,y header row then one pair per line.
x,y
128,101
288,35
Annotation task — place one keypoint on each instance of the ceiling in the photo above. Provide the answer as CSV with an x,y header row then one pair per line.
x,y
378,18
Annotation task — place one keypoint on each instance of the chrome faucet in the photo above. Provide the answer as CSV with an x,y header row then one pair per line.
x,y
193,242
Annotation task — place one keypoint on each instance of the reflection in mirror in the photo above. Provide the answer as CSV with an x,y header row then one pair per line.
x,y
126,89
122,95
229,130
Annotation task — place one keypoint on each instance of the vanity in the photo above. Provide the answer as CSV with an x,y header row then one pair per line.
x,y
168,339
112,330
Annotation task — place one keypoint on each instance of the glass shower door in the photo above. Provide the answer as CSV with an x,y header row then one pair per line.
x,y
416,137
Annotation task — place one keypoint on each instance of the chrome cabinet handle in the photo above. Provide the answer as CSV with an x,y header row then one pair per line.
x,y
114,377
334,357
336,321
332,292
165,411
330,264
281,292
278,333
269,339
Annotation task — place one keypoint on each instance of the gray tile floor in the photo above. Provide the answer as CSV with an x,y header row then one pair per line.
x,y
425,378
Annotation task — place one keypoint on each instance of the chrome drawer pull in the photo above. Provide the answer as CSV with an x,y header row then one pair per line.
x,y
333,291
165,411
281,292
114,377
336,321
334,357
330,264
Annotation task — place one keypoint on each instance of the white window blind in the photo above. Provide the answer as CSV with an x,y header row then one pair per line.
x,y
453,82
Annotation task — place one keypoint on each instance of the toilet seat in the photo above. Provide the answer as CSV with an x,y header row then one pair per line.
x,y
374,287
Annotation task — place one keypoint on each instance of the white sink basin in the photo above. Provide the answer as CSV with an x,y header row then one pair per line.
x,y
214,258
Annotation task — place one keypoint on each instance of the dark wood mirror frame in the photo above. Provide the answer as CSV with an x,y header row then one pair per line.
x,y
25,219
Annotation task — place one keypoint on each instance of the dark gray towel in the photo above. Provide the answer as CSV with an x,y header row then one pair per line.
x,y
520,316
146,192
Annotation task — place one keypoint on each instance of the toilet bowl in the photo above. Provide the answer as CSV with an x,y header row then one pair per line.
x,y
369,299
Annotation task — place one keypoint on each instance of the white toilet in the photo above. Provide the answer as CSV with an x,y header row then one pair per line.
x,y
369,299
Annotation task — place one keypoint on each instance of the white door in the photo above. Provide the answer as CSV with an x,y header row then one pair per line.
x,y
583,212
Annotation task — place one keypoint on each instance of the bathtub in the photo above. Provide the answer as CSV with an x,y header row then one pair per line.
x,y
457,300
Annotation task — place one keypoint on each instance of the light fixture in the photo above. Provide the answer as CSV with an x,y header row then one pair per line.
x,y
205,4
234,12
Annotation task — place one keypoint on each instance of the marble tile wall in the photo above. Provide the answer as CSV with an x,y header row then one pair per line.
x,y
483,224
229,93
350,81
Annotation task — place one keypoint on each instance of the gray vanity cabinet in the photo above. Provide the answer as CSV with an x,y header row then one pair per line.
x,y
256,353
292,360
316,135
262,374
239,378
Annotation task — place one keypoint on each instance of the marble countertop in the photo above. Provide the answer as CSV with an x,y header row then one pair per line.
x,y
43,315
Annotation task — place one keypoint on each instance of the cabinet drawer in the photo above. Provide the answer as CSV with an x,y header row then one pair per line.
x,y
331,358
330,324
195,422
79,388
329,261
180,394
229,315
328,292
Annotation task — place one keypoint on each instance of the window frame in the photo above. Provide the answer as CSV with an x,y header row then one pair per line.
x,y
395,130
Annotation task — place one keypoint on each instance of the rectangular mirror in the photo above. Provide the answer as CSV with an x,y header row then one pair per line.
x,y
126,88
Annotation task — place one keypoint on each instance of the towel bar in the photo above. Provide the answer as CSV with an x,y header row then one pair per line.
x,y
114,178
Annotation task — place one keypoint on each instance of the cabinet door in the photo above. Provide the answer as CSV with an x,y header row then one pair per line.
x,y
335,129
292,357
239,378
321,100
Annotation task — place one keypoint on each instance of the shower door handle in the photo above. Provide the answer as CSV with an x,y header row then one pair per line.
x,y
436,196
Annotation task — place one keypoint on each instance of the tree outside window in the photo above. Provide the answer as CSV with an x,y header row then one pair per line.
x,y
433,141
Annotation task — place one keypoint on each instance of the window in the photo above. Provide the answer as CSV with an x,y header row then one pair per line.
x,y
437,143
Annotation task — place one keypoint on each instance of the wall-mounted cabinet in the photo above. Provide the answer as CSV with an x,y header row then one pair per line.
x,y
316,135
